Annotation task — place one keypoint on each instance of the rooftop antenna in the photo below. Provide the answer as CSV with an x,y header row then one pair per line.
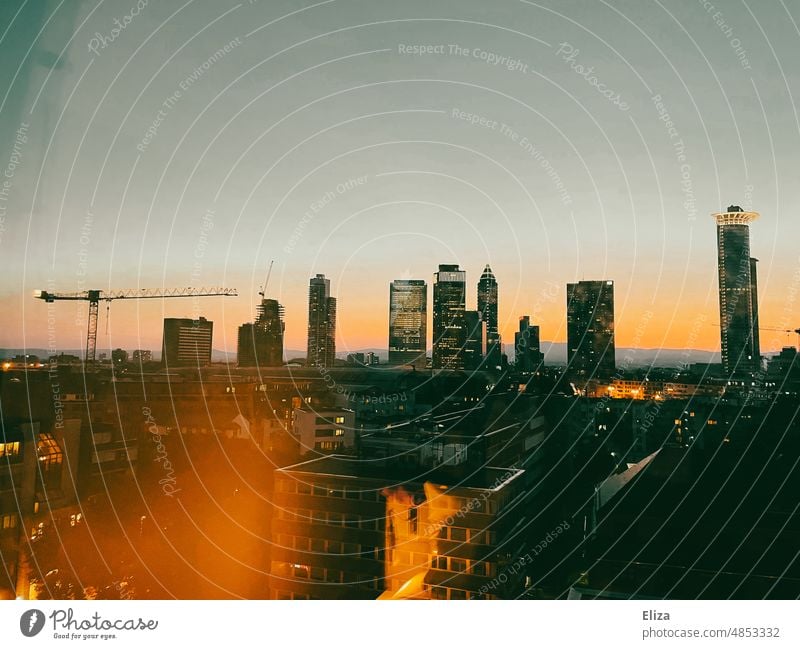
x,y
263,290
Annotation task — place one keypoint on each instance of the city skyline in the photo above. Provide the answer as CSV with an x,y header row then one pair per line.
x,y
369,207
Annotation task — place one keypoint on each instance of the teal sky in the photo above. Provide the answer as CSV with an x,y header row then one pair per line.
x,y
322,105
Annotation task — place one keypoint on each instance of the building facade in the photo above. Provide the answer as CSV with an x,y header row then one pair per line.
x,y
738,292
476,343
408,322
187,342
527,346
321,323
487,305
324,430
449,305
590,328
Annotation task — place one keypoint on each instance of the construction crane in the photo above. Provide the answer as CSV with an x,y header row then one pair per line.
x,y
93,297
263,291
786,331
779,329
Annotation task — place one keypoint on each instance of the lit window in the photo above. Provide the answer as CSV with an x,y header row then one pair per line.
x,y
338,420
9,449
339,432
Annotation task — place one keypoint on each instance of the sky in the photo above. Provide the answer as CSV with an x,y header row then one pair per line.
x,y
188,143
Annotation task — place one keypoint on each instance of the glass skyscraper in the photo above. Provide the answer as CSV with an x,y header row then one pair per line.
x,y
321,323
449,329
590,329
408,322
738,292
487,305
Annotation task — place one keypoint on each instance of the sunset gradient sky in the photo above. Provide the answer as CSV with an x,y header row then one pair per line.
x,y
322,139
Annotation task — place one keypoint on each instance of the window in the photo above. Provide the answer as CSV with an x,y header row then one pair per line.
x,y
478,568
458,534
338,420
412,519
457,565
437,592
8,521
320,490
440,563
339,432
456,593
317,573
9,449
50,460
303,488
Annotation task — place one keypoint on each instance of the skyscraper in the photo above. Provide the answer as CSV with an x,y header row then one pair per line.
x,y
527,348
187,342
449,304
590,328
260,343
487,305
408,322
321,323
475,346
738,292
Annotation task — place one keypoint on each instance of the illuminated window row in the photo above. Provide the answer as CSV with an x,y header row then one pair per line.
x,y
328,491
463,566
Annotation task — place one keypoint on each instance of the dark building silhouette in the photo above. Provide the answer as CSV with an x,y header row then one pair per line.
x,y
738,292
186,342
475,346
408,322
527,347
321,323
487,305
260,343
590,328
449,304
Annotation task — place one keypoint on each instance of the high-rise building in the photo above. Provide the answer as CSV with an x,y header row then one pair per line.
x,y
408,322
260,343
527,348
187,342
590,328
475,346
449,304
487,305
738,292
321,323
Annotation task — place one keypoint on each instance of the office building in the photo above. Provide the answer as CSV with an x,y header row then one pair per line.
x,y
408,322
590,329
187,342
260,343
449,331
321,323
487,305
475,345
738,292
527,347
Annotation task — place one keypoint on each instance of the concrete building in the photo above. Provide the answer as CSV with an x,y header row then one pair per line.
x,y
324,430
187,342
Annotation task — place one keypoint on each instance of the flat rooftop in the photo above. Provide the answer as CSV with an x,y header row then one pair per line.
x,y
393,473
